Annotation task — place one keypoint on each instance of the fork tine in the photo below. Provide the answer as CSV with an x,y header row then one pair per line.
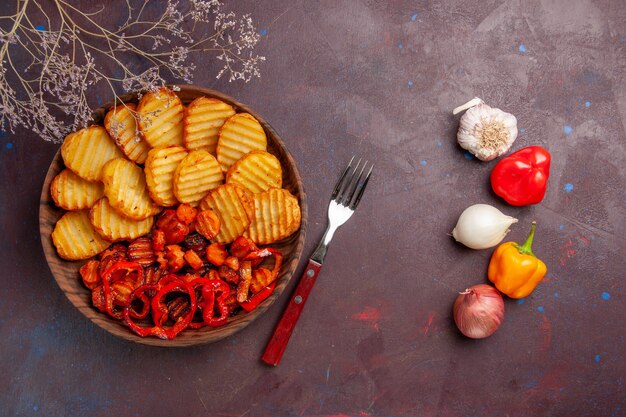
x,y
338,185
361,189
354,182
346,190
347,181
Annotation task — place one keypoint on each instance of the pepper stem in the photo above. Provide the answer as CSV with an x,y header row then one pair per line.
x,y
526,248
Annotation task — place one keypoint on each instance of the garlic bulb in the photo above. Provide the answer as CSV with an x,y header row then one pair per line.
x,y
482,226
485,131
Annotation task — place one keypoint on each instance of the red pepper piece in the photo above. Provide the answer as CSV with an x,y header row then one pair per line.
x,y
214,293
254,301
140,330
117,271
89,274
160,312
522,177
265,253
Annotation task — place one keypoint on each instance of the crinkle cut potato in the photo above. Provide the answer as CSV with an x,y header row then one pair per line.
x,y
160,116
75,238
126,189
71,192
240,134
113,226
233,206
121,124
197,174
160,168
85,152
203,119
257,171
276,216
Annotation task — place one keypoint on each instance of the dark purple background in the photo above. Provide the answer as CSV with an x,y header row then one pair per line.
x,y
378,79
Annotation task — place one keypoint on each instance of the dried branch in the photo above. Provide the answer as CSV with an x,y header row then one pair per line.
x,y
68,58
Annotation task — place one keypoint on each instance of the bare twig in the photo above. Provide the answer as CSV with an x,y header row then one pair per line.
x,y
74,53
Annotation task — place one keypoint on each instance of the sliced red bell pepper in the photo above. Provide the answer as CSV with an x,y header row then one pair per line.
x,y
522,177
117,271
209,302
160,312
141,294
254,301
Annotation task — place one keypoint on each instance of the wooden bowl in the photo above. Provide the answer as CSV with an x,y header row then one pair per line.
x,y
67,275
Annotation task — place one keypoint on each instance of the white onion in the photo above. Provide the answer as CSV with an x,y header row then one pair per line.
x,y
479,311
482,226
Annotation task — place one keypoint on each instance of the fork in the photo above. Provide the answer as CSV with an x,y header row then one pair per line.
x,y
344,200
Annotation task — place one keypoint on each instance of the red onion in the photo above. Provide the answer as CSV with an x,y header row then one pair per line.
x,y
479,311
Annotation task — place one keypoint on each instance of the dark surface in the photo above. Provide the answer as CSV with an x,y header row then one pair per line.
x,y
376,338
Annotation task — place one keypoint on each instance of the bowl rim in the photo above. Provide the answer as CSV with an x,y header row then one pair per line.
x,y
202,336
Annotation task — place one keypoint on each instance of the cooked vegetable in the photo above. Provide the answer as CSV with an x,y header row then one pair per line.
x,y
158,293
522,177
240,134
75,238
258,298
514,269
482,226
479,311
160,118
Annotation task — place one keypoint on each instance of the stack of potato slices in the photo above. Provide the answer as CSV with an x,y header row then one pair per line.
x,y
157,154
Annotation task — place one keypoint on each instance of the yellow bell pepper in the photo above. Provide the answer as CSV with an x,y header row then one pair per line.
x,y
514,269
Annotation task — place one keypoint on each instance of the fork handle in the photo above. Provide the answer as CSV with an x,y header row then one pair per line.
x,y
278,342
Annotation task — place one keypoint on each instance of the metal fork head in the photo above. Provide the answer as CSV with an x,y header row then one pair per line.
x,y
348,191
345,199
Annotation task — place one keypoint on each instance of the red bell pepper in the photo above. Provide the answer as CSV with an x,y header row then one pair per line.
x,y
160,312
214,293
116,272
522,177
254,301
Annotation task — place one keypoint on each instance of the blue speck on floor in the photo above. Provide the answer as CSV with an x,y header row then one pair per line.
x,y
540,309
423,163
567,129
587,104
597,358
569,187
40,27
9,145
400,45
522,130
263,32
561,227
556,294
35,408
410,83
439,144
414,17
531,384
606,296
520,301
522,48
468,155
